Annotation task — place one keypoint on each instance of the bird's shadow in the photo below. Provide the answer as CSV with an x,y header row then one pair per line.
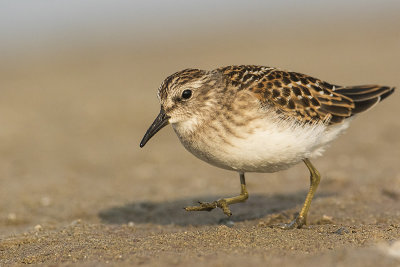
x,y
172,212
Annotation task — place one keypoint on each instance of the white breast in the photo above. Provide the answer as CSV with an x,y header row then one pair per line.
x,y
271,147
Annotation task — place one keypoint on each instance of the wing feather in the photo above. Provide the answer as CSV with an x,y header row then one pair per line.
x,y
306,98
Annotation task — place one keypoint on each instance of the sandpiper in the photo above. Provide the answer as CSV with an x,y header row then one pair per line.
x,y
258,119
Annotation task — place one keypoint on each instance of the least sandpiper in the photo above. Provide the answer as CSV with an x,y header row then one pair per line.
x,y
258,119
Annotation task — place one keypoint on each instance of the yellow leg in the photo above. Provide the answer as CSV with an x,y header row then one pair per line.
x,y
301,219
223,203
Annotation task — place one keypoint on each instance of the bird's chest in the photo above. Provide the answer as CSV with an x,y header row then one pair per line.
x,y
258,146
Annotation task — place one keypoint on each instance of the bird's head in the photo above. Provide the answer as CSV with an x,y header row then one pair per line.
x,y
186,97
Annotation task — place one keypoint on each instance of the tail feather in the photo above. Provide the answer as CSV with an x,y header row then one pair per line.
x,y
364,105
388,93
365,96
360,89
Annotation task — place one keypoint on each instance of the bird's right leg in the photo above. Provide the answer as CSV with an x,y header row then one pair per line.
x,y
223,203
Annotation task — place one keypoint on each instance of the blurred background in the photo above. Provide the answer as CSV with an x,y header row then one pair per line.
x,y
78,83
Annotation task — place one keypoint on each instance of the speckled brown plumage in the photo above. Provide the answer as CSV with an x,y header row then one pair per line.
x,y
307,98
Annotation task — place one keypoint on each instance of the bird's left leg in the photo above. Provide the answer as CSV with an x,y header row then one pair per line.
x,y
301,219
223,203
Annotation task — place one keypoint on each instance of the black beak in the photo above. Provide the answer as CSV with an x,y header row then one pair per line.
x,y
158,124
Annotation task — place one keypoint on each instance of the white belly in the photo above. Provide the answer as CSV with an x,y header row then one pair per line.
x,y
270,147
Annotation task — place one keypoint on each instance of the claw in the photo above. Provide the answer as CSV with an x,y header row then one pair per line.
x,y
203,206
208,206
222,204
298,223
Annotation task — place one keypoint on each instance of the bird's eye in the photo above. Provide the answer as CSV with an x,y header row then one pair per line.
x,y
186,94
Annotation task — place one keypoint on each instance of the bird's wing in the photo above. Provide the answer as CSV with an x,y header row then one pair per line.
x,y
306,98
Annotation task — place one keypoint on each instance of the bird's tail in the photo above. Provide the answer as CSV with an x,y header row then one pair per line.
x,y
365,96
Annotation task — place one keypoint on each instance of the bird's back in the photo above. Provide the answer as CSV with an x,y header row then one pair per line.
x,y
307,98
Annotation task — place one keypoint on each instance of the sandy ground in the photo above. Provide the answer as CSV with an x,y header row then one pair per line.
x,y
75,188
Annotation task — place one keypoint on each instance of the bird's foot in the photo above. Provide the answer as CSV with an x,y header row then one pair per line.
x,y
208,206
298,223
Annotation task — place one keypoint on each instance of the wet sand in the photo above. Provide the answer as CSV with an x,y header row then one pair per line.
x,y
75,187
